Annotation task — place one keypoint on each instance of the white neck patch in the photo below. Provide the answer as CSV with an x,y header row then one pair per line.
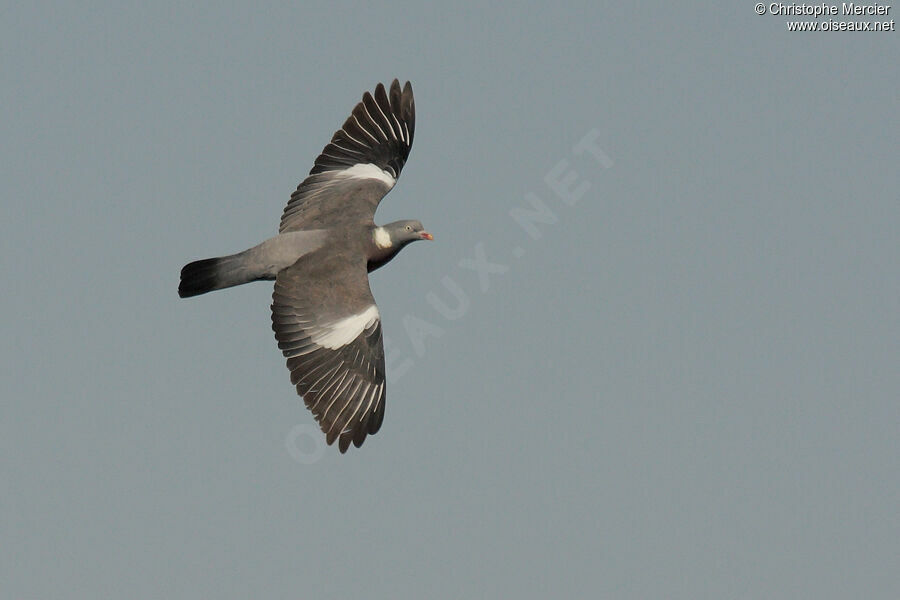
x,y
382,238
368,171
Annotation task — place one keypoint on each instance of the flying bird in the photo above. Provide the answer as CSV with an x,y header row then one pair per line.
x,y
323,312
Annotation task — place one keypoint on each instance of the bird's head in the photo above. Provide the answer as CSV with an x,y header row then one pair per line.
x,y
403,232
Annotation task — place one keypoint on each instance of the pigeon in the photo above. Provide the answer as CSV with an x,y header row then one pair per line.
x,y
324,316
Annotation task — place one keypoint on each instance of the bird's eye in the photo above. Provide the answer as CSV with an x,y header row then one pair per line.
x,y
408,228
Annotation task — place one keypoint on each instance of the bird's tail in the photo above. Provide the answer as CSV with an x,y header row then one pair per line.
x,y
202,276
260,262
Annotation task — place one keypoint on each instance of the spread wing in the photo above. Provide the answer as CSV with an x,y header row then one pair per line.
x,y
329,329
360,165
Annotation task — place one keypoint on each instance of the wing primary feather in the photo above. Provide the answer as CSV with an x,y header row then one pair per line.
x,y
349,393
372,120
330,391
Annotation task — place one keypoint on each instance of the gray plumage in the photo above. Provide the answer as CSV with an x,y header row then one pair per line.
x,y
323,313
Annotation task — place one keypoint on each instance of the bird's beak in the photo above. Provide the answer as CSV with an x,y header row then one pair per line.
x,y
426,236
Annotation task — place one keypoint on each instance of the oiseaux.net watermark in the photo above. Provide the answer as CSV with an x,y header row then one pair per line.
x,y
564,186
846,16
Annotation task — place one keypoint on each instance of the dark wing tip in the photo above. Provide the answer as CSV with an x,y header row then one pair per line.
x,y
379,131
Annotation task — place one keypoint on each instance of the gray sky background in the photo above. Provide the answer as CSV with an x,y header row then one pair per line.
x,y
686,388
